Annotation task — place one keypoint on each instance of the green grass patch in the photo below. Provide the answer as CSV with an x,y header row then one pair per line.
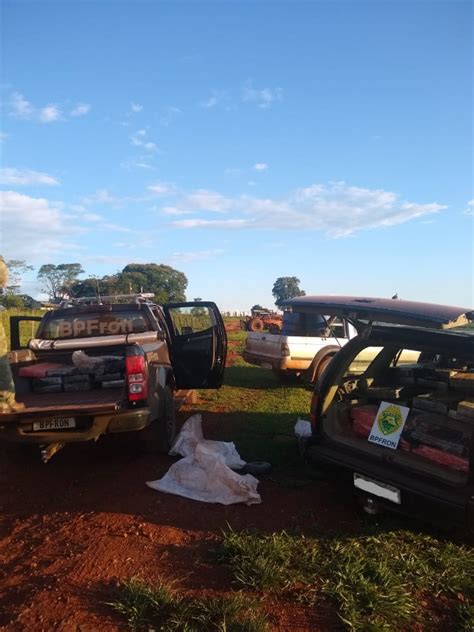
x,y
27,329
256,410
161,607
374,581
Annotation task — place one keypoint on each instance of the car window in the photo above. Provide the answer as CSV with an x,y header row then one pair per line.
x,y
362,360
191,320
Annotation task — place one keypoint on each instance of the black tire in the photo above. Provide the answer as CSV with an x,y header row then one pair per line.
x,y
256,324
159,435
316,371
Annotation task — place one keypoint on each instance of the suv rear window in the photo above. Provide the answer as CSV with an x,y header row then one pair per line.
x,y
87,325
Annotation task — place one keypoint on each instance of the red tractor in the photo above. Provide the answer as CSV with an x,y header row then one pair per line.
x,y
262,319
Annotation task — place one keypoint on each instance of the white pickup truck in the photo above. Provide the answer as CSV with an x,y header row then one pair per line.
x,y
305,346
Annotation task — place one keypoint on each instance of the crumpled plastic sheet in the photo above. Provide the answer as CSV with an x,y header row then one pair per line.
x,y
205,472
191,434
302,428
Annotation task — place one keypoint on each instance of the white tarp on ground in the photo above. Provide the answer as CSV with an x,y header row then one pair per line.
x,y
302,429
205,472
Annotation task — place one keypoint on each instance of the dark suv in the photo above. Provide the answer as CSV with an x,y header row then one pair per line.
x,y
395,406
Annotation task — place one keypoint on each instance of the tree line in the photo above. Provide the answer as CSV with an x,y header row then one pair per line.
x,y
168,285
62,282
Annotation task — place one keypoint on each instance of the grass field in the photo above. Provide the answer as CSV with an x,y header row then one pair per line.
x,y
27,329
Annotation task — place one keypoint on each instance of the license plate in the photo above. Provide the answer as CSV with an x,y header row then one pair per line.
x,y
55,423
377,489
266,365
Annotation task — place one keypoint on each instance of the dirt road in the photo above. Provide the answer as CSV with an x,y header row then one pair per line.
x,y
71,529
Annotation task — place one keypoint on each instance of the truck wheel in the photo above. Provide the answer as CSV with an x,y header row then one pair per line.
x,y
316,371
159,435
256,324
274,329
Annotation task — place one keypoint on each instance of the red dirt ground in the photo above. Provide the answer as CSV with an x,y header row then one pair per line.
x,y
71,529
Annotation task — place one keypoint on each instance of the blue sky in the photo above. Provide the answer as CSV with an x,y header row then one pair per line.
x,y
242,141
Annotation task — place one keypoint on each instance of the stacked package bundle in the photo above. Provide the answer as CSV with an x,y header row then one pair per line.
x,y
87,373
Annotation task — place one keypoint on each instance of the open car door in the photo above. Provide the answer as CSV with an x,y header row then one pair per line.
x,y
198,343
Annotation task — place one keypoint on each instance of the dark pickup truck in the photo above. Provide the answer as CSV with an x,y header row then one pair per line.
x,y
106,368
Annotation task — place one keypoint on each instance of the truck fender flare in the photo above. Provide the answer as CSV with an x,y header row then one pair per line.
x,y
312,372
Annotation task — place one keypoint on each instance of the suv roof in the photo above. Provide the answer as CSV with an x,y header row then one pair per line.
x,y
385,310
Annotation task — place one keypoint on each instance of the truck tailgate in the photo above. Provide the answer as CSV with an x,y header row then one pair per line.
x,y
83,402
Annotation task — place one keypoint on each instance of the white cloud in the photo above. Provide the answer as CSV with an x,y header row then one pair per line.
x,y
191,257
25,177
3,136
92,217
20,107
160,188
469,210
136,107
81,109
217,97
172,210
137,163
116,227
336,209
204,200
35,227
138,139
49,114
101,196
263,98
260,166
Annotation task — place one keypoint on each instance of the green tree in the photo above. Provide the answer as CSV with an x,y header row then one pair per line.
x,y
57,280
285,288
257,306
166,283
16,267
12,301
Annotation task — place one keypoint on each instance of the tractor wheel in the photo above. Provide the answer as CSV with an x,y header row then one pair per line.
x,y
256,324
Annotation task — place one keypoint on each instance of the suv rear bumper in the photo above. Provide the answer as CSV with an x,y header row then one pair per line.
x,y
426,501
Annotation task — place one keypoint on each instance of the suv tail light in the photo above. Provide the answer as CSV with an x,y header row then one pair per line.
x,y
137,378
285,349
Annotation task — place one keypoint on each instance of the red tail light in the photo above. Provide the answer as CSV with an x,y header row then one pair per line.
x,y
137,378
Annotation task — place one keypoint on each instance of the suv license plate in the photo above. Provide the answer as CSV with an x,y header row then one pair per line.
x,y
56,423
377,489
